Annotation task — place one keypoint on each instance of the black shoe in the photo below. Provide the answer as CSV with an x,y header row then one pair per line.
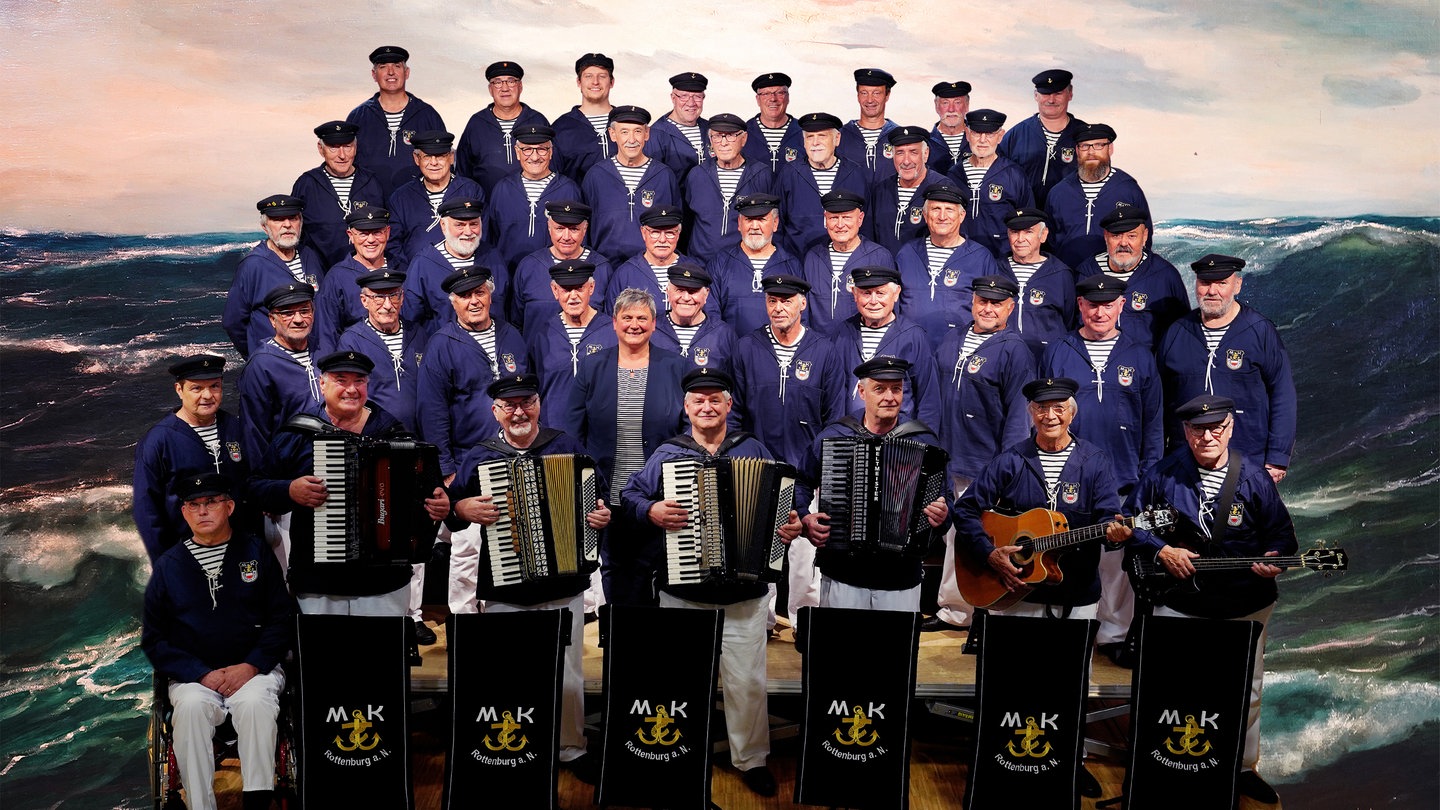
x,y
440,554
1120,652
424,634
1256,788
586,768
256,799
935,624
1089,785
415,659
760,781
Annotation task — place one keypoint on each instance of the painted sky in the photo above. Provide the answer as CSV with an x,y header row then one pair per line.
x,y
144,117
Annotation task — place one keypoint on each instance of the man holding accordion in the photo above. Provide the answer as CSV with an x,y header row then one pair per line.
x,y
516,406
669,493
290,476
887,531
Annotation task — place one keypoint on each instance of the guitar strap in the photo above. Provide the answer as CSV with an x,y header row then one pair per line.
x,y
1222,503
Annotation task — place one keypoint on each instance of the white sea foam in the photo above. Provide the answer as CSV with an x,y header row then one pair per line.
x,y
1365,713
109,359
81,521
1337,496
124,255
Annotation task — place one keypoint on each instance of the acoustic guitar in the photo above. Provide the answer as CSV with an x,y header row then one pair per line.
x,y
1041,535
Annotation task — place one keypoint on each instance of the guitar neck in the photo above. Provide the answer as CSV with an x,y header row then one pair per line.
x,y
1232,563
1074,537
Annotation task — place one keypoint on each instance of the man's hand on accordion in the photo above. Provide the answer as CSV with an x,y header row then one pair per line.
x,y
479,509
599,517
791,528
817,528
936,511
308,490
437,506
668,515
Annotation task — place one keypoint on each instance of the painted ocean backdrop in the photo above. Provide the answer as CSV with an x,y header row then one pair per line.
x,y
1352,709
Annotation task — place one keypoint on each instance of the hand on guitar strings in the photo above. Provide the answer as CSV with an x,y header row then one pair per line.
x,y
1267,571
1116,532
1177,561
999,560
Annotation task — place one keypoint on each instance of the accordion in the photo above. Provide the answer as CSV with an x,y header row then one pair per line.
x,y
736,507
375,512
875,491
541,533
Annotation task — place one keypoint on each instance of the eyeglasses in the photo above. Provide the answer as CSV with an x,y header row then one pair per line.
x,y
679,96
506,406
1092,146
504,82
725,136
530,151
773,94
390,297
289,314
1054,407
205,504
1211,430
658,235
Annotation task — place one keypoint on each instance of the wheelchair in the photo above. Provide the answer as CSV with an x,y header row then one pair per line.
x,y
165,776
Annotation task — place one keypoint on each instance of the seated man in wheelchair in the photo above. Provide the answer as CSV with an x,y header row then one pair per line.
x,y
218,621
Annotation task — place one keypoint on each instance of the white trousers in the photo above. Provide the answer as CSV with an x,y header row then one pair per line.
x,y
200,710
464,569
1117,599
1251,756
394,603
742,673
572,694
838,594
1035,611
952,606
804,579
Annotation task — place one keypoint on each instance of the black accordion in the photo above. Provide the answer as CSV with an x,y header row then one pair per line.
x,y
542,533
375,511
875,491
736,507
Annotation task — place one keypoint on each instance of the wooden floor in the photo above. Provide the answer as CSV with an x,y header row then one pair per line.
x,y
941,744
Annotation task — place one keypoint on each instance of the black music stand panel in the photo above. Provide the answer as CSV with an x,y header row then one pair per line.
x,y
858,680
661,669
1190,698
352,711
1032,678
505,675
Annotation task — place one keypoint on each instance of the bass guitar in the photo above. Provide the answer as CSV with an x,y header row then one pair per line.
x,y
1041,535
1152,582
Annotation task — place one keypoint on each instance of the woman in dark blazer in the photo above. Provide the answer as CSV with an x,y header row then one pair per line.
x,y
611,388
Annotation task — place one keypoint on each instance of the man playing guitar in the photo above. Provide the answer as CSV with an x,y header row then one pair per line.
x,y
1251,522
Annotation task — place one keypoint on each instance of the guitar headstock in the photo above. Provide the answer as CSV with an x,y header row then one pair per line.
x,y
1325,559
1156,519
